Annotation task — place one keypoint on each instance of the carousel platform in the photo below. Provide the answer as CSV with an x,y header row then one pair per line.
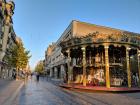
x,y
78,87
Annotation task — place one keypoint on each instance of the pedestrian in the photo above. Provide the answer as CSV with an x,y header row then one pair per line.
x,y
13,75
47,77
37,77
31,75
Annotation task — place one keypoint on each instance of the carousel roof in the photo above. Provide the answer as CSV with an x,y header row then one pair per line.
x,y
97,38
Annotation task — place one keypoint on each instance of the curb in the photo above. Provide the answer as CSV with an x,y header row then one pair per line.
x,y
97,91
11,98
102,91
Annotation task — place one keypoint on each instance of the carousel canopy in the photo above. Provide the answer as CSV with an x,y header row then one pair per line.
x,y
94,34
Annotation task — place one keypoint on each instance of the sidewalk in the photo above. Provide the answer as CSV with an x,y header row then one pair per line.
x,y
54,81
9,90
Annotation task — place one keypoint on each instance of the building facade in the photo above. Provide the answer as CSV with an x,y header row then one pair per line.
x,y
7,69
99,56
7,35
54,61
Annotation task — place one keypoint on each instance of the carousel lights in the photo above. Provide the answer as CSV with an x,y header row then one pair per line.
x,y
132,57
139,53
128,48
106,46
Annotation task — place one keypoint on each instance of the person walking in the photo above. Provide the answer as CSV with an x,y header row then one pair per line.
x,y
31,75
37,77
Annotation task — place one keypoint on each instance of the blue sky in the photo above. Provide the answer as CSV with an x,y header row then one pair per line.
x,y
41,22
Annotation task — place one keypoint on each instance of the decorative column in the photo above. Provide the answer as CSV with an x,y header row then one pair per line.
x,y
84,65
69,68
107,66
62,71
51,72
56,72
138,55
128,67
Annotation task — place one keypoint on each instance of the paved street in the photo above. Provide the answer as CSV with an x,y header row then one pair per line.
x,y
8,91
46,93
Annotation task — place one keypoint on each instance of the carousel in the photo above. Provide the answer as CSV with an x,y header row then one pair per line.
x,y
103,60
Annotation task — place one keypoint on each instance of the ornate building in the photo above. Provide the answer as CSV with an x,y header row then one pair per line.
x,y
99,56
7,34
54,61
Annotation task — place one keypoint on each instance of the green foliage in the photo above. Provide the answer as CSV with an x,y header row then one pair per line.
x,y
40,67
17,56
10,56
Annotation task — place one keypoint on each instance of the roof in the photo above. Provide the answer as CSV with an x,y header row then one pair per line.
x,y
105,27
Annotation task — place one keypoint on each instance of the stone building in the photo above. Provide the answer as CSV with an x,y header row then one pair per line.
x,y
96,55
54,61
1,23
6,69
7,34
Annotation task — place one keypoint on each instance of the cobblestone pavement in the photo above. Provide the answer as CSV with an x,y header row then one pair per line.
x,y
46,93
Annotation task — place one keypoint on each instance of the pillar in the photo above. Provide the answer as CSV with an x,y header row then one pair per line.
x,y
51,72
107,67
138,55
69,68
62,71
128,67
84,65
55,72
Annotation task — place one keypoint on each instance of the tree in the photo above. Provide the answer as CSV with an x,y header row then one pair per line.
x,y
10,56
18,57
40,67
22,57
